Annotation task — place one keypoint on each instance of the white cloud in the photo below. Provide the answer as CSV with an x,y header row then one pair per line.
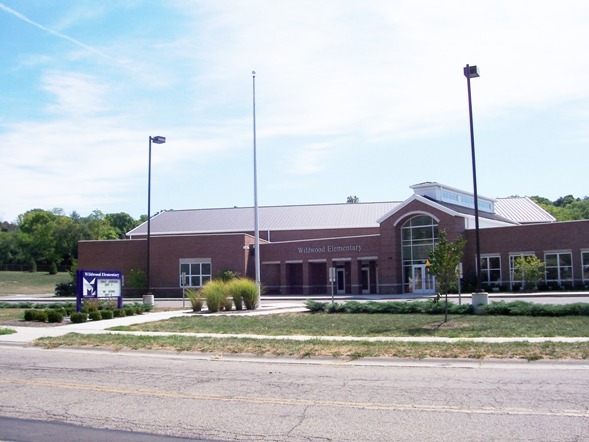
x,y
333,78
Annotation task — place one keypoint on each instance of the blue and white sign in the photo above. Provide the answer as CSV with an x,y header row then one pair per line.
x,y
99,284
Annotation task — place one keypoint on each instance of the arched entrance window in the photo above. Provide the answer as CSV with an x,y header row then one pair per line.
x,y
418,236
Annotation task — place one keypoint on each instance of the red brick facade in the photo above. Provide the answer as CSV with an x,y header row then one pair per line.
x,y
366,260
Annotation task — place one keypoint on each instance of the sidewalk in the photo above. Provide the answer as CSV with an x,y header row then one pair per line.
x,y
25,335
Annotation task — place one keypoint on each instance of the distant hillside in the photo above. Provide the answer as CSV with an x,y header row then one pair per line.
x,y
565,208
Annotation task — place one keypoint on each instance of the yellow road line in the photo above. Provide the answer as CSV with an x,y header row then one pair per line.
x,y
290,401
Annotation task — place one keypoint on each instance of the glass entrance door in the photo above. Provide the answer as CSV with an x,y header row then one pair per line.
x,y
421,280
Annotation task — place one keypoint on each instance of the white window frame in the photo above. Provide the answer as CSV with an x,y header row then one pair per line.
x,y
585,265
512,258
486,272
195,278
559,268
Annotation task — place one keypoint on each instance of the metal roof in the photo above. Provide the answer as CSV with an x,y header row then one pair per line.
x,y
241,219
310,217
522,210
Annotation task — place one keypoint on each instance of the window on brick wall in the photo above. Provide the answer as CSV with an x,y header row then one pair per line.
x,y
514,282
558,267
195,272
585,264
491,270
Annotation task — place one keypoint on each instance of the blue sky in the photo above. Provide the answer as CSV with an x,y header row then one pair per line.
x,y
353,97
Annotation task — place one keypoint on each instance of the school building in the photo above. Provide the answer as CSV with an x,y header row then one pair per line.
x,y
375,248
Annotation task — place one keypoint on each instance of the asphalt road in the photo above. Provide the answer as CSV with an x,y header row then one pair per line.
x,y
218,398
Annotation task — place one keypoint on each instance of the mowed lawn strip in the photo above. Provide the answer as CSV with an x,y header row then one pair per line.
x,y
321,348
368,325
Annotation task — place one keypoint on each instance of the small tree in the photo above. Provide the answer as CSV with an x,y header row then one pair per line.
x,y
443,264
137,280
529,270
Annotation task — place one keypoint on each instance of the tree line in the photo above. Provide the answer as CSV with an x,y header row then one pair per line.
x,y
50,237
565,208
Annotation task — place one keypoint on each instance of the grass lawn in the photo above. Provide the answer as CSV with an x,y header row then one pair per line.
x,y
321,324
318,348
7,314
27,283
362,325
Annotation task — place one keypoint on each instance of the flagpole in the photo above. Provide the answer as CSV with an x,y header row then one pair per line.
x,y
256,210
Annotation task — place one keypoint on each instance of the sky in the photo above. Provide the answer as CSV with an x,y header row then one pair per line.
x,y
352,98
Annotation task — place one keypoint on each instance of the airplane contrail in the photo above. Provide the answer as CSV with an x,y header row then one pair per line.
x,y
52,32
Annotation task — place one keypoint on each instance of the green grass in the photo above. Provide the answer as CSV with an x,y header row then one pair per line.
x,y
10,314
318,348
469,326
27,283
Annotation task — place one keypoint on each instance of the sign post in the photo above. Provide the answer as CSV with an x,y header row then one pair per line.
x,y
183,289
331,281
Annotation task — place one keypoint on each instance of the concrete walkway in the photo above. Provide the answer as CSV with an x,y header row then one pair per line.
x,y
25,335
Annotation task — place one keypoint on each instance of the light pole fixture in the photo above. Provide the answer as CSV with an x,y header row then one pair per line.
x,y
473,72
156,140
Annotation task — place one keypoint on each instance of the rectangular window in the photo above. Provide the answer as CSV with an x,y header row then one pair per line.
x,y
491,270
558,267
585,264
514,281
194,272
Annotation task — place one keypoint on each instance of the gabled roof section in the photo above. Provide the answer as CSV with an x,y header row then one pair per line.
x,y
522,210
241,219
415,197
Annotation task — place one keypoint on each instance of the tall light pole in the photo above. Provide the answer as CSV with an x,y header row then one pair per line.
x,y
156,140
256,211
473,72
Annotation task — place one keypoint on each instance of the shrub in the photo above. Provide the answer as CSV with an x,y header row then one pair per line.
x,y
30,315
334,307
53,269
196,299
90,305
118,313
55,315
129,310
227,275
40,316
95,315
147,307
78,317
137,280
315,306
65,289
107,314
215,293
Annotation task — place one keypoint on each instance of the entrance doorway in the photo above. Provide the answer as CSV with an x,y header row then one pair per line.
x,y
341,280
421,280
365,278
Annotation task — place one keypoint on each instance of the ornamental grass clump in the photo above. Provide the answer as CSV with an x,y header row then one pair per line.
x,y
196,299
215,293
244,290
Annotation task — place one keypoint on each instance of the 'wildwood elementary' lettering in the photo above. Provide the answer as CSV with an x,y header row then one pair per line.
x,y
330,249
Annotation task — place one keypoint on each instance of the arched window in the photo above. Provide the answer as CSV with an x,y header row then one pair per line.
x,y
418,236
